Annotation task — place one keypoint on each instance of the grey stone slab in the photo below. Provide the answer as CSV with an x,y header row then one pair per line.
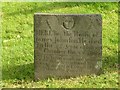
x,y
67,45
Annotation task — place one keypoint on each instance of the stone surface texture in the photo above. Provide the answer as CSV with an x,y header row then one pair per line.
x,y
67,45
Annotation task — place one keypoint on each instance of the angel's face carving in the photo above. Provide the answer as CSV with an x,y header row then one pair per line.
x,y
68,22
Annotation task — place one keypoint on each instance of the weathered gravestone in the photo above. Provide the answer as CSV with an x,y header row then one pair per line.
x,y
67,45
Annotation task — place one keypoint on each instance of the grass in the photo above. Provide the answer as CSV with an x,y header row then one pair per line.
x,y
18,46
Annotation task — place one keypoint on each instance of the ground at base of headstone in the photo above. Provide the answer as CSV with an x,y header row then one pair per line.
x,y
91,81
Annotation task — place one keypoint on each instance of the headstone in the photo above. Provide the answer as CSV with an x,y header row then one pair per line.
x,y
67,45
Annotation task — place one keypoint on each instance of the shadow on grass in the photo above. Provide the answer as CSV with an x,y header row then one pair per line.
x,y
22,72
37,7
47,7
26,72
110,63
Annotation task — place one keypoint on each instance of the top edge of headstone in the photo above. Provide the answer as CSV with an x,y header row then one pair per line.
x,y
62,14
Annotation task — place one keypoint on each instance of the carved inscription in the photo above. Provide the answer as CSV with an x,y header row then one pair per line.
x,y
67,45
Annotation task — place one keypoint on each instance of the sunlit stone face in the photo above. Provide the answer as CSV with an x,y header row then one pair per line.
x,y
67,45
